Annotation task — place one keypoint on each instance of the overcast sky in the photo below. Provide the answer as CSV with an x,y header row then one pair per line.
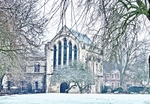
x,y
72,16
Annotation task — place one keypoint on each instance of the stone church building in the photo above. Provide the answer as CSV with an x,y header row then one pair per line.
x,y
66,46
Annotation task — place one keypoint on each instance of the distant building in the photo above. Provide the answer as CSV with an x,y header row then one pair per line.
x,y
67,45
111,77
30,79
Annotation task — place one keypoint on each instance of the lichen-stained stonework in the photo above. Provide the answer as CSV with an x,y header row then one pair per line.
x,y
86,52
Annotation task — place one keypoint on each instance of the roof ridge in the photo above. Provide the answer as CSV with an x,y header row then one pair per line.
x,y
80,36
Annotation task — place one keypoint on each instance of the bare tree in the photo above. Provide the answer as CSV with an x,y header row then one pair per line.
x,y
103,20
140,68
76,74
124,54
21,31
114,25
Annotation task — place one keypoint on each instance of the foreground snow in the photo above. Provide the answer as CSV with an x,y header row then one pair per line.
x,y
75,99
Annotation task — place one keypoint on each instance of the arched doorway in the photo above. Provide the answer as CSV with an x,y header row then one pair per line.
x,y
63,87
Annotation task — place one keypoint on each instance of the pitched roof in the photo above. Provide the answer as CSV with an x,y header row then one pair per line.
x,y
81,37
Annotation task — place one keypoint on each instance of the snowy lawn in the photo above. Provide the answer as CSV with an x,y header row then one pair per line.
x,y
75,99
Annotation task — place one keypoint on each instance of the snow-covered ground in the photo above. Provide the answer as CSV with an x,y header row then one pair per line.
x,y
75,99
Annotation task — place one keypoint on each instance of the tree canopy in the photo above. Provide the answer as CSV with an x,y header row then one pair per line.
x,y
116,26
21,32
75,74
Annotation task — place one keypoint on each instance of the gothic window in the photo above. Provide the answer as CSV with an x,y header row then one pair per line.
x,y
54,57
37,67
65,51
36,85
70,51
75,52
59,53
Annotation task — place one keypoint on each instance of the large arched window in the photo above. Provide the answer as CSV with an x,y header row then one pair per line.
x,y
54,57
65,51
59,53
70,51
75,52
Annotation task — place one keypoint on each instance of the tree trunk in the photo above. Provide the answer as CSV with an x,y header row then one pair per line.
x,y
80,88
148,16
1,79
143,92
145,87
121,80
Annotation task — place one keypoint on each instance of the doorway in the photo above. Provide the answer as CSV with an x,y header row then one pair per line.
x,y
64,87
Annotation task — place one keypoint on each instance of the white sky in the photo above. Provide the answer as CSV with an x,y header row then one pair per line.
x,y
71,17
55,25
